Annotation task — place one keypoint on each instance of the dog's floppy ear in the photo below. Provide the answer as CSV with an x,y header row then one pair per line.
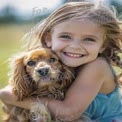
x,y
21,83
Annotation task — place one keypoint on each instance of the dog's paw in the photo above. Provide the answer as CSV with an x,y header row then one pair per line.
x,y
39,112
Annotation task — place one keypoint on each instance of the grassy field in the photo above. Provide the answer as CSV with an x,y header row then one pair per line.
x,y
9,45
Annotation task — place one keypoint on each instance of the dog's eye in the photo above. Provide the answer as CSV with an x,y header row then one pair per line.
x,y
51,60
31,63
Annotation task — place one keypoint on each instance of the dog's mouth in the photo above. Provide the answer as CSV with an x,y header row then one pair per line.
x,y
48,78
42,81
54,77
45,79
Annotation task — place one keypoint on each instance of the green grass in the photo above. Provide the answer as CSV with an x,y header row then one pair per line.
x,y
9,45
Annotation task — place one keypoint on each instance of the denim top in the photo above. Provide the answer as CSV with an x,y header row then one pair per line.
x,y
105,107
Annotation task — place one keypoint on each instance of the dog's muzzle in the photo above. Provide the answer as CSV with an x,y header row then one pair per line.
x,y
42,71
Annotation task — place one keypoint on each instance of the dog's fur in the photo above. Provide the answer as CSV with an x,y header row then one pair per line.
x,y
37,73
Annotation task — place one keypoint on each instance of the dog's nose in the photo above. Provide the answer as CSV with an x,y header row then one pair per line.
x,y
43,71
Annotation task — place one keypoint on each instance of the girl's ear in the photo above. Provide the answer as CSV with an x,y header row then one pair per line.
x,y
102,49
104,46
48,39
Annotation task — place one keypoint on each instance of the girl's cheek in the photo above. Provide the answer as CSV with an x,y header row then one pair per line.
x,y
56,46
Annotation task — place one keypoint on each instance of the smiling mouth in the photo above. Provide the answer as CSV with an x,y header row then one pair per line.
x,y
74,55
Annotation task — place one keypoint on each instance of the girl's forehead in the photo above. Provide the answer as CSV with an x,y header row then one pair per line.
x,y
77,22
82,26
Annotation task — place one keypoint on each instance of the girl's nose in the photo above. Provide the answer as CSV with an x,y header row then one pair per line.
x,y
76,43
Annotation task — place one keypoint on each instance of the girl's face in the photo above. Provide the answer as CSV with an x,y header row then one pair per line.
x,y
77,42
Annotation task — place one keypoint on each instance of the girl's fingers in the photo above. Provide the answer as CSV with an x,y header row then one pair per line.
x,y
6,95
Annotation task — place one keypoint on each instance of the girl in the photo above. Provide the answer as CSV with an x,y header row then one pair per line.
x,y
88,38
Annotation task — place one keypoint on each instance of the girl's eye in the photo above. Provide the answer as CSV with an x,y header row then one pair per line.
x,y
65,37
31,63
52,60
89,39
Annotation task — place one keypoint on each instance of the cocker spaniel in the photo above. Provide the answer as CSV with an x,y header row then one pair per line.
x,y
38,73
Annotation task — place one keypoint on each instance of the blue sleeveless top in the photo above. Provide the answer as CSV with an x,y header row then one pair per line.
x,y
106,108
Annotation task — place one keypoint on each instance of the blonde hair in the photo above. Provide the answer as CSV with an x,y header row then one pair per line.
x,y
79,10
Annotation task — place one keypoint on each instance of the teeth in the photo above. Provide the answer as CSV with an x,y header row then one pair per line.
x,y
73,55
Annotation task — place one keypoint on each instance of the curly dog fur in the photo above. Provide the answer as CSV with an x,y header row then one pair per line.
x,y
37,73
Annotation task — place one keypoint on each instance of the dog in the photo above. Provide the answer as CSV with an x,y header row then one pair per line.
x,y
37,73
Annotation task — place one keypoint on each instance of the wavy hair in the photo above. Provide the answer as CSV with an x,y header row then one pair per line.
x,y
101,15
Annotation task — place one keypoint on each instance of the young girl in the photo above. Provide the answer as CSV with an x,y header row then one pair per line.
x,y
88,38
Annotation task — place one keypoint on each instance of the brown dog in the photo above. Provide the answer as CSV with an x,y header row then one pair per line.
x,y
38,73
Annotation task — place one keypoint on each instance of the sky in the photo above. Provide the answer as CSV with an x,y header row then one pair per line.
x,y
26,6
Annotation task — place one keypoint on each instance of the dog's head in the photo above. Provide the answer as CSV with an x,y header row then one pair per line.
x,y
43,66
37,68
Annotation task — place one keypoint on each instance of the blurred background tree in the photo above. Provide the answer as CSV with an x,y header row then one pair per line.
x,y
118,6
8,14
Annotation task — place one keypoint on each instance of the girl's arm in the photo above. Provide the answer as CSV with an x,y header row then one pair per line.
x,y
7,97
78,97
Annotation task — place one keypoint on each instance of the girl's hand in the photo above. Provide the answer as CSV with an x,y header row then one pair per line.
x,y
6,95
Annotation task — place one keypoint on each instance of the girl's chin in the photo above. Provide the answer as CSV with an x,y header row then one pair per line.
x,y
71,64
